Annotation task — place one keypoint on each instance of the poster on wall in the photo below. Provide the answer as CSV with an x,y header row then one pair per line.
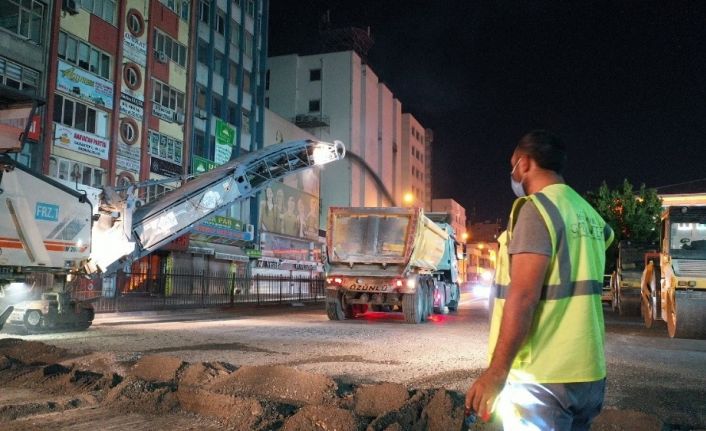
x,y
225,138
288,211
82,142
85,85
134,49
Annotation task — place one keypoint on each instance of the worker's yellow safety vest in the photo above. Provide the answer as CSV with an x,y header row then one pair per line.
x,y
566,339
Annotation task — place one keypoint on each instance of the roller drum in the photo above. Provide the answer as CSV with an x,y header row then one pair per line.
x,y
688,319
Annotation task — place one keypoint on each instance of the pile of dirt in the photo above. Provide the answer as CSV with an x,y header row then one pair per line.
x,y
375,400
278,383
240,398
204,373
31,352
158,368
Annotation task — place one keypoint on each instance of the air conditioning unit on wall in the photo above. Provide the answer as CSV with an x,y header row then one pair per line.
x,y
161,57
70,7
179,117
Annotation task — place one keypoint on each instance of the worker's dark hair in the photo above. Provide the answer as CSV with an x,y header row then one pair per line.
x,y
545,148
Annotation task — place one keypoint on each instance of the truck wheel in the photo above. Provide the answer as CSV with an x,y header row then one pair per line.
x,y
33,320
456,297
413,306
334,306
442,308
85,320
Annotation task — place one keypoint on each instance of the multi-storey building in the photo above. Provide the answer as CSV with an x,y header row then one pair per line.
x,y
24,45
414,162
335,96
227,105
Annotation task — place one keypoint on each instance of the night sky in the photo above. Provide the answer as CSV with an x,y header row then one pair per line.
x,y
623,83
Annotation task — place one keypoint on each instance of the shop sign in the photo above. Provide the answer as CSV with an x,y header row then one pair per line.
x,y
34,128
82,142
224,227
163,167
179,244
132,106
135,49
84,85
129,151
253,253
166,114
225,136
127,164
201,165
271,264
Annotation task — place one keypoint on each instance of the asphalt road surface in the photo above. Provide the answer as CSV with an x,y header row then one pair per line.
x,y
647,371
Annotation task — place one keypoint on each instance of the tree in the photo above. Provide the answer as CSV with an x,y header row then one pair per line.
x,y
633,215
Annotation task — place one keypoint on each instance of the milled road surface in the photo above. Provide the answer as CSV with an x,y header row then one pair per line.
x,y
647,371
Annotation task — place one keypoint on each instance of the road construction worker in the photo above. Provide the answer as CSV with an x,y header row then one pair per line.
x,y
547,368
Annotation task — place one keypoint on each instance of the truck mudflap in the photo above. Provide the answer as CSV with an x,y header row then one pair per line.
x,y
687,318
5,315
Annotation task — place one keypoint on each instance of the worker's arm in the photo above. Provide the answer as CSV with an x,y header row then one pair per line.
x,y
527,274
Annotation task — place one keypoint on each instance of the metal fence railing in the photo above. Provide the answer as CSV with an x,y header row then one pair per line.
x,y
159,291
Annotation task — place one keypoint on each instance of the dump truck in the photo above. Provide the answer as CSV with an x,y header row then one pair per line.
x,y
626,280
51,232
674,279
390,259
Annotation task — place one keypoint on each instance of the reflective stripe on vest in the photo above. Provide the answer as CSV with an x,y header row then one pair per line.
x,y
567,336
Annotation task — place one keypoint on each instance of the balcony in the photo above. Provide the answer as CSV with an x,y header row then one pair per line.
x,y
311,121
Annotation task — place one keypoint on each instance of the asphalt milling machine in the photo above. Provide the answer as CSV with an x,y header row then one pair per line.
x,y
51,233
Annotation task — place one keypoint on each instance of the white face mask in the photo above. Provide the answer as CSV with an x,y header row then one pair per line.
x,y
517,187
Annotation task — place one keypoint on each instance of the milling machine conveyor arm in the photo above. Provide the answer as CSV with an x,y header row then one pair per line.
x,y
163,220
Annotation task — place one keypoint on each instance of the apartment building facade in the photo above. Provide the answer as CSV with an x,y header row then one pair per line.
x,y
335,96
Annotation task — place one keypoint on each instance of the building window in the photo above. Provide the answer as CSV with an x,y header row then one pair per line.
x,y
200,144
23,18
129,131
251,8
18,77
218,58
165,147
101,8
245,125
135,22
232,113
179,7
156,192
70,170
216,105
200,97
314,105
235,33
166,96
79,116
315,75
233,72
132,76
220,23
248,44
84,55
246,81
204,11
175,51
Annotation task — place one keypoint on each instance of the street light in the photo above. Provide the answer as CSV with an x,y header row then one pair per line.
x,y
464,236
408,198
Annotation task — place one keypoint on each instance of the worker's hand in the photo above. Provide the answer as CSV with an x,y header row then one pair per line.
x,y
481,396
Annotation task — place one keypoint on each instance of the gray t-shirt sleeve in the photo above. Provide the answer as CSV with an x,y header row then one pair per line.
x,y
530,234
